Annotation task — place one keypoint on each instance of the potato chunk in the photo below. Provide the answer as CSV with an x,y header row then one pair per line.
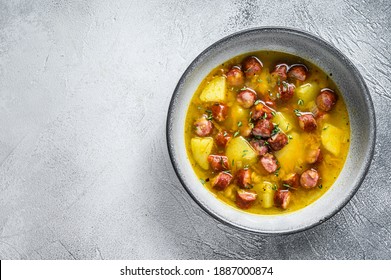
x,y
331,138
240,152
293,154
215,91
201,148
307,92
282,122
265,194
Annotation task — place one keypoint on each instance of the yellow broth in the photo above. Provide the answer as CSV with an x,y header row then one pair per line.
x,y
292,157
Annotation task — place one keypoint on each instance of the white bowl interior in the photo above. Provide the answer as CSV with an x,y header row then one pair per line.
x,y
354,93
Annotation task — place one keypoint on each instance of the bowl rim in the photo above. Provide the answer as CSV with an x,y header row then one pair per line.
x,y
366,94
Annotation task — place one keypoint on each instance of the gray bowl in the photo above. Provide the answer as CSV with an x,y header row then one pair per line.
x,y
355,94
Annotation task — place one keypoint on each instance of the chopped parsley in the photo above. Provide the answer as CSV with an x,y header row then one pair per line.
x,y
273,113
288,186
236,133
239,124
297,112
202,181
300,102
274,188
290,137
257,102
225,133
320,186
260,80
326,127
210,115
277,172
275,130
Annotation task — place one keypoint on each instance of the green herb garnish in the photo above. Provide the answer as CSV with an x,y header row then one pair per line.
x,y
239,124
256,102
300,102
297,112
275,130
277,172
236,133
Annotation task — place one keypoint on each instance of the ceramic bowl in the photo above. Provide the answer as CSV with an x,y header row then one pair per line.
x,y
355,94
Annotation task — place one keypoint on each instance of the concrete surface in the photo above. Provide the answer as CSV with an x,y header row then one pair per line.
x,y
84,92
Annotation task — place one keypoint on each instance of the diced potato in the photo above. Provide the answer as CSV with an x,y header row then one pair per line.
x,y
265,194
307,92
265,81
331,138
282,122
237,114
215,91
241,152
201,148
292,154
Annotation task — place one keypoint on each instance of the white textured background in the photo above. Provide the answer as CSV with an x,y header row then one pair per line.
x,y
84,93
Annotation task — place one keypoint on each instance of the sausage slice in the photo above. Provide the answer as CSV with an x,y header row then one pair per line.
x,y
222,138
326,99
218,162
219,112
246,98
309,178
261,111
286,91
282,198
314,156
203,126
298,72
259,146
307,122
278,141
263,128
243,178
235,77
292,180
252,66
222,181
245,198
269,163
280,71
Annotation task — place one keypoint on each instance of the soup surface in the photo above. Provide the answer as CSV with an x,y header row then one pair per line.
x,y
267,132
